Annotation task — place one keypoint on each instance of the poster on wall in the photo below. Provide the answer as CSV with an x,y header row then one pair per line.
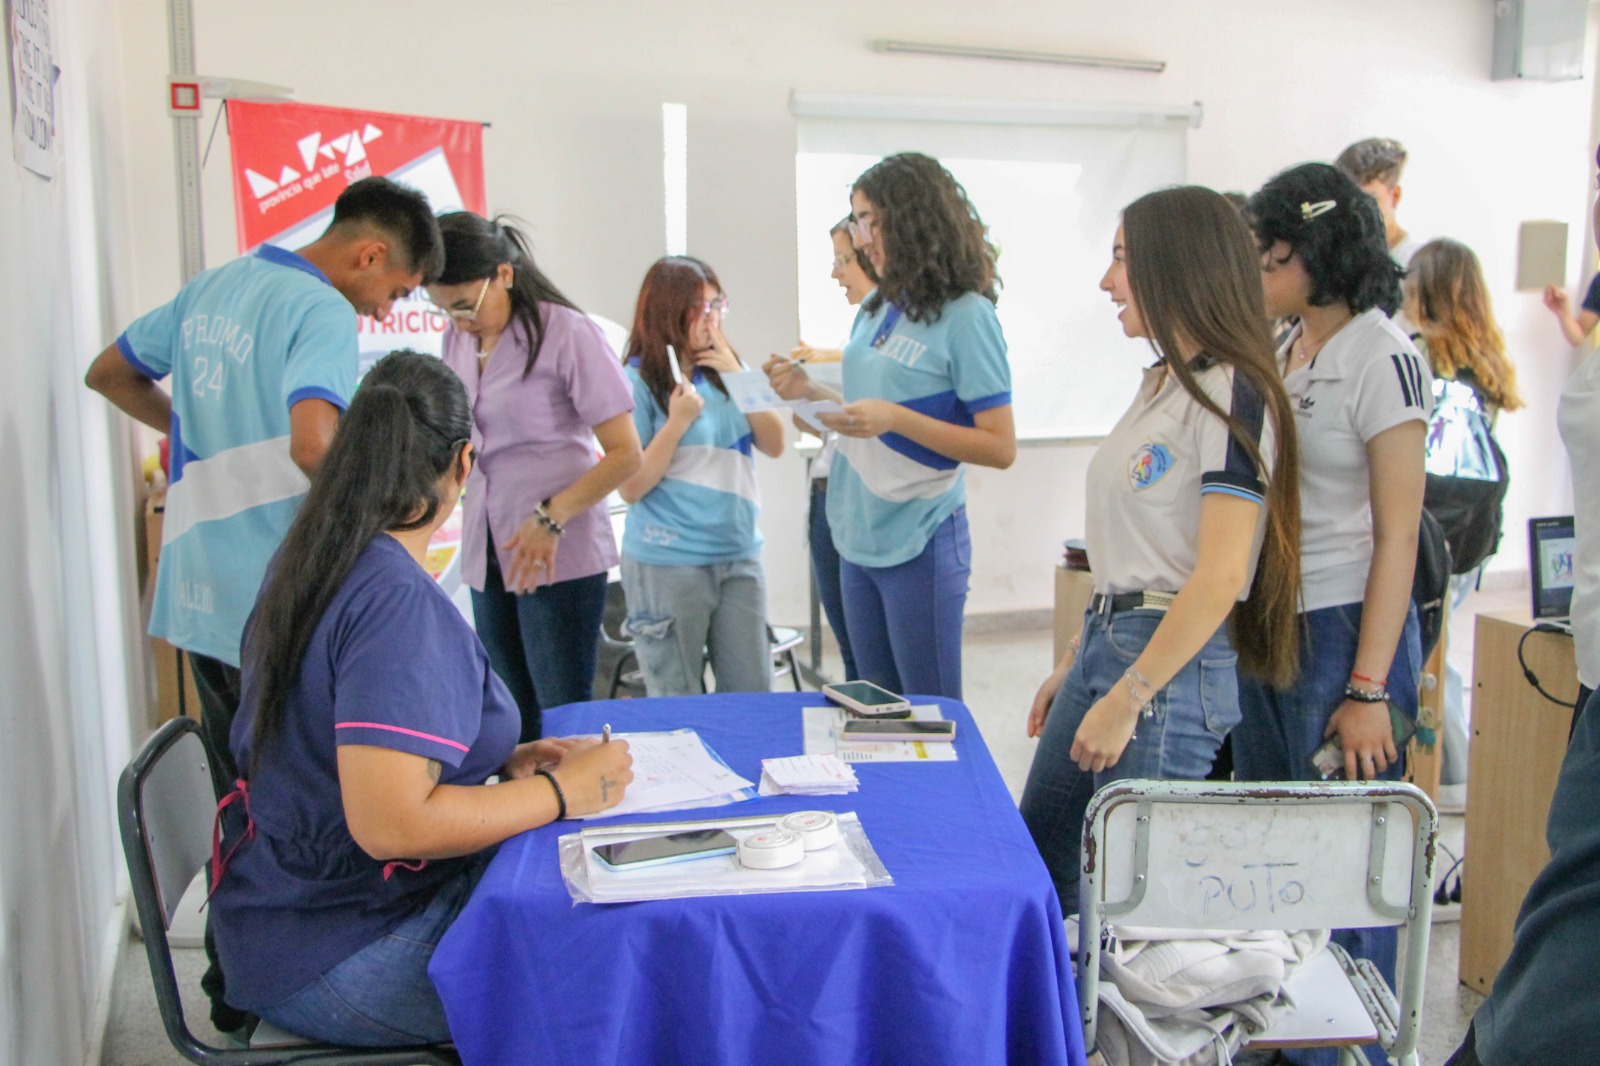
x,y
33,85
290,163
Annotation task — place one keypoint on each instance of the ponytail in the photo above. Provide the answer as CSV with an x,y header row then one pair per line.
x,y
403,433
474,248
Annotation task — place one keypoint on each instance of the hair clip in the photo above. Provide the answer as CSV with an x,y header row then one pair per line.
x,y
1321,207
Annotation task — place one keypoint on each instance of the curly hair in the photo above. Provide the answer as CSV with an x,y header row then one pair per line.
x,y
1336,229
936,247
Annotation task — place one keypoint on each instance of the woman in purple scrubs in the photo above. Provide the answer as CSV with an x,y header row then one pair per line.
x,y
544,387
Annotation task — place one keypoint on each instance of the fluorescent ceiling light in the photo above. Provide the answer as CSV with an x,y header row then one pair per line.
x,y
1151,66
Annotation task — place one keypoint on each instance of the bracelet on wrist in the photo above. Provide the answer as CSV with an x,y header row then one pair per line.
x,y
561,797
1377,695
546,520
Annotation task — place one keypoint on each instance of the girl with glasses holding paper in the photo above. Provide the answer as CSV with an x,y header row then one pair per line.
x,y
926,389
691,552
544,386
1193,529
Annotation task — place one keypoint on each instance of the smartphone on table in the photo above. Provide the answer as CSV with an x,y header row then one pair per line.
x,y
1329,756
673,847
904,729
866,700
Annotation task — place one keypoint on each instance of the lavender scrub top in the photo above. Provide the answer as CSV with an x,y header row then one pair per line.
x,y
533,438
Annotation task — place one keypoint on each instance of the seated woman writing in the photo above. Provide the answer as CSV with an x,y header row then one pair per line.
x,y
370,723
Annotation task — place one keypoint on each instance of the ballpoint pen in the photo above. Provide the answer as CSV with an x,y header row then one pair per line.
x,y
605,733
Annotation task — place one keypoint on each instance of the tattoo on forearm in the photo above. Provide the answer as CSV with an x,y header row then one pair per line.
x,y
606,785
434,770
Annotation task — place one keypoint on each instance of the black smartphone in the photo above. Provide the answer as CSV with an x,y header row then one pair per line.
x,y
902,729
673,847
1329,756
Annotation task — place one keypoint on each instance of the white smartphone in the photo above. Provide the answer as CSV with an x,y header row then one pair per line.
x,y
867,700
905,729
673,847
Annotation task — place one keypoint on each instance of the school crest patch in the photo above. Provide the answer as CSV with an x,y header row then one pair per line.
x,y
1148,465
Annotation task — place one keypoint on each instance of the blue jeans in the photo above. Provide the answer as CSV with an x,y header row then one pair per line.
x,y
544,643
1282,727
905,621
381,996
825,570
679,616
1192,714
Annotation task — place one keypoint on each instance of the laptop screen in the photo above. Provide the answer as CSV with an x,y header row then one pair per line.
x,y
1550,546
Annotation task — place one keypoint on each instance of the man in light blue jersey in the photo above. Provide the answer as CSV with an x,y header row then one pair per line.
x,y
262,353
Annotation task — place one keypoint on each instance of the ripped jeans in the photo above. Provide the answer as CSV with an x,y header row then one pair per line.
x,y
680,616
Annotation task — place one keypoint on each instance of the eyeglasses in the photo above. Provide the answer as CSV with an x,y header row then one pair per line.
x,y
464,315
843,262
718,306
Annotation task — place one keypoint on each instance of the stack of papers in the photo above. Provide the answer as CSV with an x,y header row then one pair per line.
x,y
807,775
675,771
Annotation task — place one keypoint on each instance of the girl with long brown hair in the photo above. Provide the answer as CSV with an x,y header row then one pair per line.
x,y
1193,522
691,552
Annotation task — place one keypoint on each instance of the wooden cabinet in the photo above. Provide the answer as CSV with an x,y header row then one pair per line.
x,y
1519,739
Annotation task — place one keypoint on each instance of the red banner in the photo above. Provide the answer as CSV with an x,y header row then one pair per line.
x,y
291,162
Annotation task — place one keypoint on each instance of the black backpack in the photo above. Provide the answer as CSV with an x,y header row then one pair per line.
x,y
1430,583
1467,475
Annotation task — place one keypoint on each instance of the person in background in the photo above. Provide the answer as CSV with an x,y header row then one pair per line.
x,y
262,354
544,386
1363,397
691,552
1192,489
1576,328
926,389
370,721
1578,419
1447,302
855,277
1377,164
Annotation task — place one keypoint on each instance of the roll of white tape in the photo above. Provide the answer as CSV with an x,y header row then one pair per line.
x,y
771,850
816,829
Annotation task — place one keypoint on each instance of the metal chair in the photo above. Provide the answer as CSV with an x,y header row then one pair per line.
x,y
1252,856
166,801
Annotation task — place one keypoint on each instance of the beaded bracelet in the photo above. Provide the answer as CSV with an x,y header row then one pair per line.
x,y
546,521
561,797
1378,695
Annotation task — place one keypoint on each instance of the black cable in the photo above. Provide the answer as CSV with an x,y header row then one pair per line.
x,y
1533,678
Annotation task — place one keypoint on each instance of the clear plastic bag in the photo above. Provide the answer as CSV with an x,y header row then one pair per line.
x,y
850,863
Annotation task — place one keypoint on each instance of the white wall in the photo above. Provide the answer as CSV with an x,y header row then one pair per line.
x,y
574,89
68,615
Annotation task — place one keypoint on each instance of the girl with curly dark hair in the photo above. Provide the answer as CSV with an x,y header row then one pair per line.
x,y
926,389
1363,396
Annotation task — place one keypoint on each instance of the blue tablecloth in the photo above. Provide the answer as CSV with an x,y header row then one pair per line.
x,y
963,960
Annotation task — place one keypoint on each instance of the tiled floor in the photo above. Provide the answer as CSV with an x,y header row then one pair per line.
x,y
1002,672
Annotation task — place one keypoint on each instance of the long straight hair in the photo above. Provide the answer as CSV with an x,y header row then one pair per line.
x,y
404,431
1196,277
671,300
474,248
1456,320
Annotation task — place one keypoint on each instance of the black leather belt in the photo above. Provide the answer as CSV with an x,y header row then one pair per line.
x,y
1148,600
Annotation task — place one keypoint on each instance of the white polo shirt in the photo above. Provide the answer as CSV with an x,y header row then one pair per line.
x,y
1148,475
1578,416
1367,378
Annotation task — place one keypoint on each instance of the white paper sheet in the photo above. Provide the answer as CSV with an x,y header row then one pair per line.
x,y
751,391
674,771
822,726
